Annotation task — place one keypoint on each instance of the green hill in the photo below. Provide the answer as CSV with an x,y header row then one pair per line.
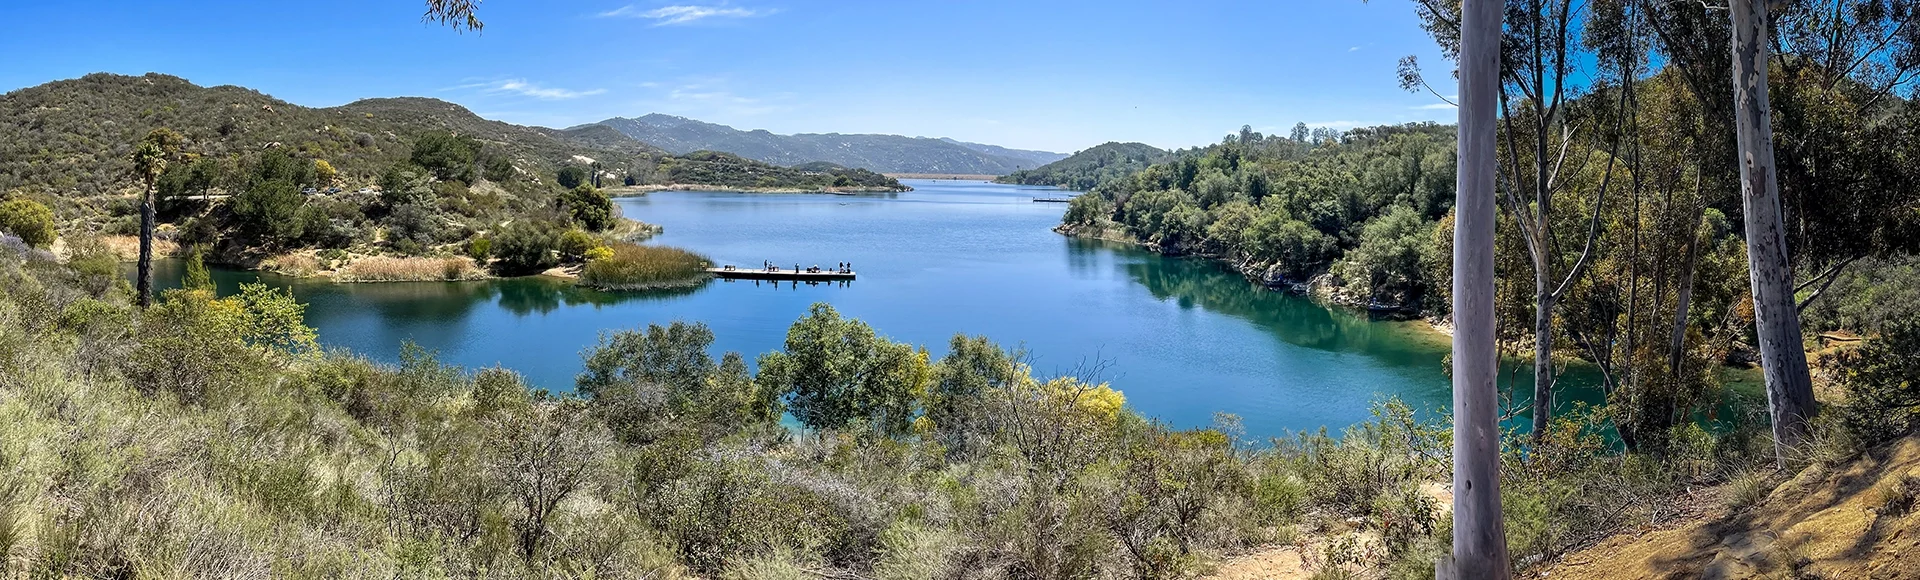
x,y
257,177
73,137
1086,169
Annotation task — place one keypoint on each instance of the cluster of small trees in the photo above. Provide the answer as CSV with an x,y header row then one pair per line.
x,y
1364,206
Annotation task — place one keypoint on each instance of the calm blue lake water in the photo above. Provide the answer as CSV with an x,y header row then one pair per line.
x,y
1183,339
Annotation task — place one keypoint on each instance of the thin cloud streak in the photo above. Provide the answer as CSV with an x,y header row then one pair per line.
x,y
682,14
528,89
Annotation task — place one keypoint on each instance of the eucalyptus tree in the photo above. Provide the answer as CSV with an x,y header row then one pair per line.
x,y
1548,142
1479,532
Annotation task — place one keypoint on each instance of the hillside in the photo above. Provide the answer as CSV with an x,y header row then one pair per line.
x,y
1852,520
73,137
880,153
1035,158
1088,168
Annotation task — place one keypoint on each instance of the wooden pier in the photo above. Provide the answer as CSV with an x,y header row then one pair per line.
x,y
824,275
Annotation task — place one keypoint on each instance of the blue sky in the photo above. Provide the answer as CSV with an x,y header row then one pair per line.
x,y
1056,75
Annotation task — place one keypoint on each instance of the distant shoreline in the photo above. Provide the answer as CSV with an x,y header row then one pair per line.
x,y
638,190
953,176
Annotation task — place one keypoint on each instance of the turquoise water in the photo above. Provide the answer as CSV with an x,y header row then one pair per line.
x,y
1183,339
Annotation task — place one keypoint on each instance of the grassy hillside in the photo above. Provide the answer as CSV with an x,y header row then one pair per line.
x,y
879,153
255,179
73,137
1086,169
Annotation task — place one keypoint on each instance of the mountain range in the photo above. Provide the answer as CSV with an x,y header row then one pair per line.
x,y
881,153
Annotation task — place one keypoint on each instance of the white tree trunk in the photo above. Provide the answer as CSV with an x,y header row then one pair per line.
x,y
1479,534
1782,358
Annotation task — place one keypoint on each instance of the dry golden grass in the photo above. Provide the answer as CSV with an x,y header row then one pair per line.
x,y
411,269
297,264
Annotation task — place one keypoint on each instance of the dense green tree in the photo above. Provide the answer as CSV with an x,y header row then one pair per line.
x,y
590,207
29,219
266,213
837,372
524,247
957,398
570,177
1391,261
447,156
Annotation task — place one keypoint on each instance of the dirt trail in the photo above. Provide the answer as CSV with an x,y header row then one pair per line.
x,y
1290,562
1825,523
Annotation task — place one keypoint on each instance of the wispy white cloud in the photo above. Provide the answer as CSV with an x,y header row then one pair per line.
x,y
529,89
1436,107
1341,125
683,14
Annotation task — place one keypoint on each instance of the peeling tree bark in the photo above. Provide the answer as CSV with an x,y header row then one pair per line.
x,y
1777,321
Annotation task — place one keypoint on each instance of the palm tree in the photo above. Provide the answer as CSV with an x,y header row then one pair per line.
x,y
150,158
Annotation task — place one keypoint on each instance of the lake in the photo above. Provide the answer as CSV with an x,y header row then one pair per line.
x,y
1183,338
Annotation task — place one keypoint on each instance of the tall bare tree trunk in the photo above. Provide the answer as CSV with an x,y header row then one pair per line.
x,y
1479,534
1777,322
146,248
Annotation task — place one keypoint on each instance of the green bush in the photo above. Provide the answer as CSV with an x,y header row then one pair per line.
x,y
590,207
1882,381
30,220
574,244
526,247
571,177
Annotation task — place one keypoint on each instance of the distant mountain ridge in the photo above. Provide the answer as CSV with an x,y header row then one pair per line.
x,y
881,153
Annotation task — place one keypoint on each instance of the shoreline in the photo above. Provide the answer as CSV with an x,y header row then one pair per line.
x,y
640,190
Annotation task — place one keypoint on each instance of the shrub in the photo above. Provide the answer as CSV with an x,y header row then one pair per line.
x,y
590,208
267,212
634,267
525,247
574,244
447,156
28,219
480,249
571,177
1882,380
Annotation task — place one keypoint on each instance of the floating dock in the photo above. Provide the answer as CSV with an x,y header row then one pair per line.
x,y
824,275
1052,199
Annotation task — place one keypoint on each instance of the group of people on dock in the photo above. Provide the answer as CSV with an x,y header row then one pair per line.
x,y
840,268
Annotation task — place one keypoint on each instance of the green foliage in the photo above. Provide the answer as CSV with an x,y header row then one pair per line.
x,y
1086,169
526,247
28,219
480,249
836,372
590,207
1882,382
574,244
571,177
406,184
266,212
647,385
445,155
625,266
197,276
956,397
1283,210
